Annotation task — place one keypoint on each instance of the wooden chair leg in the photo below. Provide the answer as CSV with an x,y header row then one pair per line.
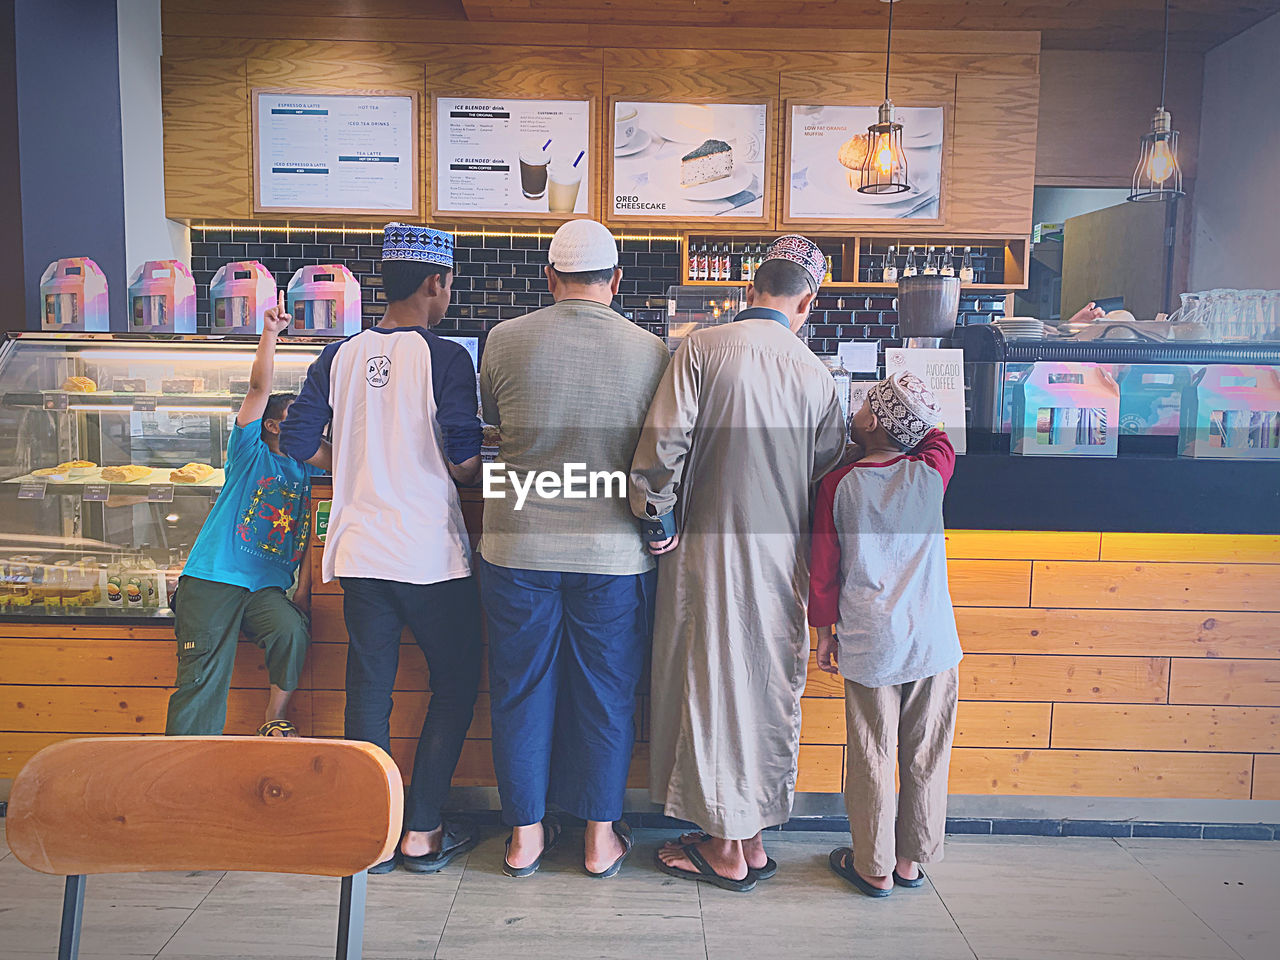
x,y
351,916
72,914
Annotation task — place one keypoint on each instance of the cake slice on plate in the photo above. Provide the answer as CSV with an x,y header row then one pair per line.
x,y
712,160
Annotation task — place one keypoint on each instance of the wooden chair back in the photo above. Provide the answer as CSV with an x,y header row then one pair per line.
x,y
128,804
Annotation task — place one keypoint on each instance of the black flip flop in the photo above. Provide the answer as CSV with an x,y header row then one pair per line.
x,y
386,866
902,881
550,837
704,873
456,841
767,872
841,862
623,830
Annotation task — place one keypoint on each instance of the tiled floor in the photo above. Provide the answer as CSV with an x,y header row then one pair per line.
x,y
994,898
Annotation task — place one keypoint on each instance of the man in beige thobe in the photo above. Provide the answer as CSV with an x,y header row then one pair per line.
x,y
743,425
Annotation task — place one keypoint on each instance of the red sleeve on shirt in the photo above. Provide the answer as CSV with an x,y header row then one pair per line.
x,y
936,450
824,555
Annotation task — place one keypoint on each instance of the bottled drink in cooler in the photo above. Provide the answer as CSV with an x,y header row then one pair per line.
x,y
150,578
115,582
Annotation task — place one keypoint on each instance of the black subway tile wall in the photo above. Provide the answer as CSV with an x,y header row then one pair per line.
x,y
499,276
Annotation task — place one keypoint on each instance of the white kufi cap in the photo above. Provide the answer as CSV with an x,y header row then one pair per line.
x,y
582,245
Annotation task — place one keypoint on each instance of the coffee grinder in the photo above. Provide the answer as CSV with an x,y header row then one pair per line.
x,y
927,309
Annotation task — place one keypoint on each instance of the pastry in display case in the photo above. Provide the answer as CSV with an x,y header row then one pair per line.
x,y
111,455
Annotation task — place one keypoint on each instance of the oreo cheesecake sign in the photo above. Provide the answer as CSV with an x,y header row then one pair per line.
x,y
690,160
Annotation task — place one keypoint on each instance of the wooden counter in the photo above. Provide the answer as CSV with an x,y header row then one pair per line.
x,y
1096,664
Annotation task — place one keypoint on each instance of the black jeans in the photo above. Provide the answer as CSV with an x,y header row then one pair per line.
x,y
445,621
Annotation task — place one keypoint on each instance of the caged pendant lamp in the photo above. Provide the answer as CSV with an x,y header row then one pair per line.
x,y
885,168
1158,176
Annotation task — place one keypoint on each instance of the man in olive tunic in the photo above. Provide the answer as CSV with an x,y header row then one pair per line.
x,y
744,423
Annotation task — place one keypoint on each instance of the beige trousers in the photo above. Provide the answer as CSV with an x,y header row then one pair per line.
x,y
912,724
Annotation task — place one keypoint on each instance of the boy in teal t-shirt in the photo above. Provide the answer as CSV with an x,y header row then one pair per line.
x,y
244,561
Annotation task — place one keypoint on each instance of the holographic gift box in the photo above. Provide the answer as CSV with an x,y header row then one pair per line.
x,y
73,297
324,301
1066,410
239,295
162,298
1232,411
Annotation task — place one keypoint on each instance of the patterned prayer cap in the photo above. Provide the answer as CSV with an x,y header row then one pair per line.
x,y
799,250
403,241
906,408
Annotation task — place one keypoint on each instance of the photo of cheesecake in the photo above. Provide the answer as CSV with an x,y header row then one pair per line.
x,y
711,160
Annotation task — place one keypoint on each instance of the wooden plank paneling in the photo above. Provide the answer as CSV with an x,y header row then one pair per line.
x,y
1236,682
1085,726
59,630
1266,777
981,724
821,769
1156,586
822,720
1021,545
1134,633
206,137
1195,547
133,710
17,748
1100,773
1052,678
105,663
993,156
989,583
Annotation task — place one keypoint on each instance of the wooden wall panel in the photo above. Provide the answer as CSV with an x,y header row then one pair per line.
x,y
1125,633
1266,777
1022,545
17,748
132,710
1237,682
821,769
992,724
205,103
989,583
822,720
1085,726
1050,678
993,156
1096,773
1198,547
1157,586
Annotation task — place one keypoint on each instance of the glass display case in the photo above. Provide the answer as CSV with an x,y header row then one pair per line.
x,y
691,308
96,518
1186,399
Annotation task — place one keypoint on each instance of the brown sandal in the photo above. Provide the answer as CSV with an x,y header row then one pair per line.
x,y
278,728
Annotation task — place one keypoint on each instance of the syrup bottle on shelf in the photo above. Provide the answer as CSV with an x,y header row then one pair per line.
x,y
890,272
930,264
745,273
713,265
726,264
966,266
703,267
948,268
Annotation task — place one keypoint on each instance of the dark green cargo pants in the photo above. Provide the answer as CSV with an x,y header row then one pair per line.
x,y
209,618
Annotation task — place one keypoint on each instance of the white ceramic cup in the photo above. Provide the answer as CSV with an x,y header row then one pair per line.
x,y
625,124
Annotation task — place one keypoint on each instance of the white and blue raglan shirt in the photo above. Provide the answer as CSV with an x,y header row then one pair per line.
x,y
401,401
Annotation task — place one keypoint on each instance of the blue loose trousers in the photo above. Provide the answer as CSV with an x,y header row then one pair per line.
x,y
566,653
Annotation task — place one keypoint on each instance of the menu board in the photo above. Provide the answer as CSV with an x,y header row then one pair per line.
x,y
512,157
335,153
689,160
827,147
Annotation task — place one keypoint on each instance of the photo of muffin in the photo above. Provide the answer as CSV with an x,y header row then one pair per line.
x,y
853,153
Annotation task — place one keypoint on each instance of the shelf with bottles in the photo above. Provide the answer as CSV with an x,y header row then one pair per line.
x,y
981,264
858,263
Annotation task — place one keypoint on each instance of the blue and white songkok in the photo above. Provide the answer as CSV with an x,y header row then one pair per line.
x,y
404,241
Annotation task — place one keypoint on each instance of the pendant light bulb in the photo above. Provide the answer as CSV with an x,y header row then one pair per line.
x,y
884,170
1157,175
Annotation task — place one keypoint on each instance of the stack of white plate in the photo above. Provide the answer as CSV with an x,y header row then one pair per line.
x,y
1020,328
